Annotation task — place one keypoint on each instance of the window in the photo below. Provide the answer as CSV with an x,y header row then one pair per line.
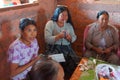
x,y
108,1
8,3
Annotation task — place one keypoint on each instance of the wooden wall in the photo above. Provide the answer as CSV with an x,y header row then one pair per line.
x,y
84,12
9,31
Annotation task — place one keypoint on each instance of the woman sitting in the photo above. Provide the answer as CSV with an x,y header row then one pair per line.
x,y
102,40
23,52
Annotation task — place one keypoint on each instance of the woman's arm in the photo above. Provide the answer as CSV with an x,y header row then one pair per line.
x,y
88,39
71,36
115,38
50,37
48,32
59,36
16,69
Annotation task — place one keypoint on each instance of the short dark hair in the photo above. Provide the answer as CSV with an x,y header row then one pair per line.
x,y
60,9
102,12
25,22
44,70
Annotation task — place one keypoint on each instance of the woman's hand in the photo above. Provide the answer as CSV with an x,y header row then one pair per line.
x,y
98,50
36,59
68,37
65,35
108,50
16,69
60,36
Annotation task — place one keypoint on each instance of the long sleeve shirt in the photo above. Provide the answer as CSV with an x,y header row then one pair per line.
x,y
52,29
108,37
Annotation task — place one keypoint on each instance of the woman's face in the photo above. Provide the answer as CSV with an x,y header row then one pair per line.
x,y
29,33
103,20
63,17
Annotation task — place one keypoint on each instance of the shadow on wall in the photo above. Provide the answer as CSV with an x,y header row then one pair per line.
x,y
41,21
5,40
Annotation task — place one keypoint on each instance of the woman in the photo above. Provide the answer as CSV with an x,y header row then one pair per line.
x,y
24,50
59,30
46,70
59,34
102,39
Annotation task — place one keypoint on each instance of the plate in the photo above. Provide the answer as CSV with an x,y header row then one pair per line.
x,y
106,72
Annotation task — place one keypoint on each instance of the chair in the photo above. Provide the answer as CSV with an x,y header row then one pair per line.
x,y
118,52
84,37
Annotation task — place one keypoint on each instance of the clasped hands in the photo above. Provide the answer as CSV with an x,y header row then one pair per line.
x,y
65,34
103,51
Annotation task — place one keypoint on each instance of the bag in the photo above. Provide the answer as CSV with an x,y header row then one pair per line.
x,y
71,59
50,49
52,52
69,55
66,50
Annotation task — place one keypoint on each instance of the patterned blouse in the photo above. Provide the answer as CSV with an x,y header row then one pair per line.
x,y
21,54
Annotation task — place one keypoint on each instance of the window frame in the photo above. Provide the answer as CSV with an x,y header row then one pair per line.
x,y
107,1
14,7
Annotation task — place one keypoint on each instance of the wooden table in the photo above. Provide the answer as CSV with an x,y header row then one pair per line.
x,y
76,74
